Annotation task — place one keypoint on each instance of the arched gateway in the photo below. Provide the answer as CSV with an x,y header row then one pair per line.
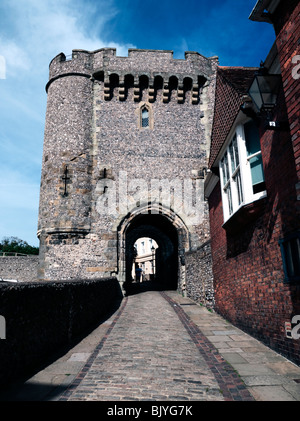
x,y
125,150
172,238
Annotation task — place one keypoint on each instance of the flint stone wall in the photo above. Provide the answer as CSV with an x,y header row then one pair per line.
x,y
199,283
20,268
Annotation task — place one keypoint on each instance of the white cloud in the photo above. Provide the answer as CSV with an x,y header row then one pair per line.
x,y
15,57
32,32
42,29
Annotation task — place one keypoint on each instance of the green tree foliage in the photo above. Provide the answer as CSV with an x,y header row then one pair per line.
x,y
16,245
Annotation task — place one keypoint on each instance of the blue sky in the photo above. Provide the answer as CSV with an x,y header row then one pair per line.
x,y
32,32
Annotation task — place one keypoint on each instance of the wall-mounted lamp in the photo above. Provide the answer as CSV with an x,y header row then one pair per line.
x,y
264,92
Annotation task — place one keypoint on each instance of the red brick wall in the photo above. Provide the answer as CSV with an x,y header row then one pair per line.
x,y
288,45
247,265
248,276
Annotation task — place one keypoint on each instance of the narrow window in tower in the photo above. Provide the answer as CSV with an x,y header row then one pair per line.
x,y
145,117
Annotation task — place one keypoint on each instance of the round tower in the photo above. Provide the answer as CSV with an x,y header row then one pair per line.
x,y
64,212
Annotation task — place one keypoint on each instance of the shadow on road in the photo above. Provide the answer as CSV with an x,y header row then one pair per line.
x,y
138,288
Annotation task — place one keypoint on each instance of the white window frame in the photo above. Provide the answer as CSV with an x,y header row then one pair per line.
x,y
233,201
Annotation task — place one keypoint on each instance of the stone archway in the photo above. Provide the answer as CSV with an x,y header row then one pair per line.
x,y
166,259
171,235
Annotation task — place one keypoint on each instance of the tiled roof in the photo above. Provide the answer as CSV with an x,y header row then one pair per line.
x,y
232,85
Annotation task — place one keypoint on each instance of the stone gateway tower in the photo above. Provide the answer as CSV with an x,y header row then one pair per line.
x,y
125,152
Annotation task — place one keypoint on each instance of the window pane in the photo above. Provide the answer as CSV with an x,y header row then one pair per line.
x,y
236,152
292,255
231,153
252,138
233,149
257,171
229,199
145,117
295,252
225,169
237,180
288,259
255,94
256,164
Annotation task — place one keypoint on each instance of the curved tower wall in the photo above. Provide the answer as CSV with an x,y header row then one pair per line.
x,y
65,195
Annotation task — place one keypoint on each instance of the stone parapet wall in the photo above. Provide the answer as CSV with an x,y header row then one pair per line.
x,y
43,317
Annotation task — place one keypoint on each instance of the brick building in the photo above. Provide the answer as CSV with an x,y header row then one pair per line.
x,y
125,150
253,188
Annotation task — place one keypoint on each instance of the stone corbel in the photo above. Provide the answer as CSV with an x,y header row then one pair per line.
x,y
122,89
151,91
136,89
195,93
180,93
106,88
166,93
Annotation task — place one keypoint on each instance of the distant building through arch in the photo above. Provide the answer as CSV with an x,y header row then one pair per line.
x,y
145,258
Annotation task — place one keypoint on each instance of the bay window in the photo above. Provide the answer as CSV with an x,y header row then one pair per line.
x,y
241,170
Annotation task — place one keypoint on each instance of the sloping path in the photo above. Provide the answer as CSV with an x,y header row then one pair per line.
x,y
160,346
155,353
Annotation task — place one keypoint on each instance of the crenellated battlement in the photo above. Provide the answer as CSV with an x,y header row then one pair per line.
x,y
163,72
159,56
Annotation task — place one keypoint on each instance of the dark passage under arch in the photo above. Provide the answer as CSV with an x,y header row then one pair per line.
x,y
165,234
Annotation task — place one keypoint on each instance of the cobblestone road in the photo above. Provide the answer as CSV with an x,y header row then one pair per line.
x,y
153,351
